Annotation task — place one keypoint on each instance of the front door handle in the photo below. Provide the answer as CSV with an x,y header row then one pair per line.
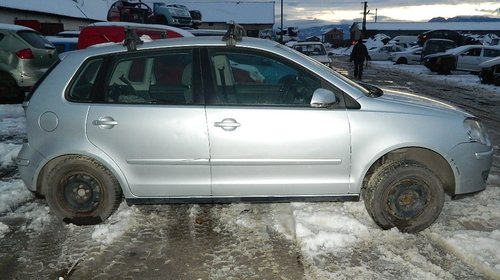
x,y
227,124
105,122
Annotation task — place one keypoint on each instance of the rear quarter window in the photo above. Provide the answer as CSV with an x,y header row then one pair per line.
x,y
81,88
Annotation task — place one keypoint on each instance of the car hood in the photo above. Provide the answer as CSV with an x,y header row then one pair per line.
x,y
415,104
321,58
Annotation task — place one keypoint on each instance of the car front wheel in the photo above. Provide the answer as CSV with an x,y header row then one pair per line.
x,y
404,194
82,191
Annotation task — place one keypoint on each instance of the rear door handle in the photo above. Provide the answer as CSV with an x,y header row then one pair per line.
x,y
227,124
105,122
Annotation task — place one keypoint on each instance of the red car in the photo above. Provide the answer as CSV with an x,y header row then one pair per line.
x,y
114,32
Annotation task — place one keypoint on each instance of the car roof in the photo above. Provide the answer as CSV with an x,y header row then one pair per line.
x,y
203,41
14,27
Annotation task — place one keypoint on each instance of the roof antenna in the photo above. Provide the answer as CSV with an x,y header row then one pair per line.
x,y
234,33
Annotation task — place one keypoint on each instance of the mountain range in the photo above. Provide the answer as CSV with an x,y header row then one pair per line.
x,y
319,30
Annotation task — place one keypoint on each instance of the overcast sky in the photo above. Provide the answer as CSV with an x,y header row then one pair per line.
x,y
347,11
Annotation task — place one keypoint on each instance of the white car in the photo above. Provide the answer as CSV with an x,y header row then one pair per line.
x,y
315,50
409,56
383,52
465,58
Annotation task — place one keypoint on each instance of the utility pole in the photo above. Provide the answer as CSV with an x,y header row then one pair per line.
x,y
281,33
363,29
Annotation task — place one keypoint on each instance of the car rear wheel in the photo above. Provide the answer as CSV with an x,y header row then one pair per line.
x,y
404,194
9,90
82,191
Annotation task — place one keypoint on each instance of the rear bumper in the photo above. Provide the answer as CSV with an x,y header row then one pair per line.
x,y
28,162
472,164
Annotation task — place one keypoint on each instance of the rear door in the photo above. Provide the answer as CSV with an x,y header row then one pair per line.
x,y
149,120
470,59
265,138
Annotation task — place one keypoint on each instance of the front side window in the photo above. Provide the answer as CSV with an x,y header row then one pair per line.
x,y
473,52
164,78
255,79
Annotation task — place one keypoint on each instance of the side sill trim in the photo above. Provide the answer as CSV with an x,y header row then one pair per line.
x,y
227,199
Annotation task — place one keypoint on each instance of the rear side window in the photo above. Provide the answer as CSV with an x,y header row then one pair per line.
x,y
35,40
81,88
165,78
491,53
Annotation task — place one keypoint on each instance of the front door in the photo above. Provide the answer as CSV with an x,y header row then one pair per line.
x,y
265,138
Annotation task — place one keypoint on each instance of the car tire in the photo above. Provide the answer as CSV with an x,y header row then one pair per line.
x,y
82,191
402,60
9,90
404,194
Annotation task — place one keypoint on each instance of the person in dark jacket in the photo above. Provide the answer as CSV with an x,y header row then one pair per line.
x,y
358,55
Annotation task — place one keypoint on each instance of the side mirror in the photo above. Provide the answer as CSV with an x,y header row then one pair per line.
x,y
323,98
330,54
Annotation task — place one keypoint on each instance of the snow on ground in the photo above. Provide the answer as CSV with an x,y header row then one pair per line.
x,y
468,229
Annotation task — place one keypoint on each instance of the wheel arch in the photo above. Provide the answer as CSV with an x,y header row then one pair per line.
x,y
431,159
42,177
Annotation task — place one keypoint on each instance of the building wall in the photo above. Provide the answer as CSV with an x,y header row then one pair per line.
x,y
11,15
252,30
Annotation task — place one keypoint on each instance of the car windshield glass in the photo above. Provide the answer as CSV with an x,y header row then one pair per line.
x,y
35,40
313,49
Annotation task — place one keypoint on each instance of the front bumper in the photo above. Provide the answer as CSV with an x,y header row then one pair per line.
x,y
472,164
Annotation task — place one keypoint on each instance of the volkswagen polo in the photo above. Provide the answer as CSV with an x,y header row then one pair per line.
x,y
205,120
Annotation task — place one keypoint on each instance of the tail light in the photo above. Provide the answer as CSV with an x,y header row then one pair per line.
x,y
25,54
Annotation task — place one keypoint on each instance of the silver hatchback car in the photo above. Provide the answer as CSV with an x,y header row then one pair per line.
x,y
206,120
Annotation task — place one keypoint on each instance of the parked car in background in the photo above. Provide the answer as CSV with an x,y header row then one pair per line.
x,y
267,34
383,52
114,32
408,56
440,34
465,58
63,44
490,71
25,55
172,121
436,46
404,41
315,50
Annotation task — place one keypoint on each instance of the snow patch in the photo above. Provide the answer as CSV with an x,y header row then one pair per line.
x,y
13,194
3,230
115,226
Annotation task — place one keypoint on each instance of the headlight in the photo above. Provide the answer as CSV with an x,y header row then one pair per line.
x,y
476,131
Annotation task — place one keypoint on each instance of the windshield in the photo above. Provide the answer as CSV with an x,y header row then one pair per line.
x,y
312,49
